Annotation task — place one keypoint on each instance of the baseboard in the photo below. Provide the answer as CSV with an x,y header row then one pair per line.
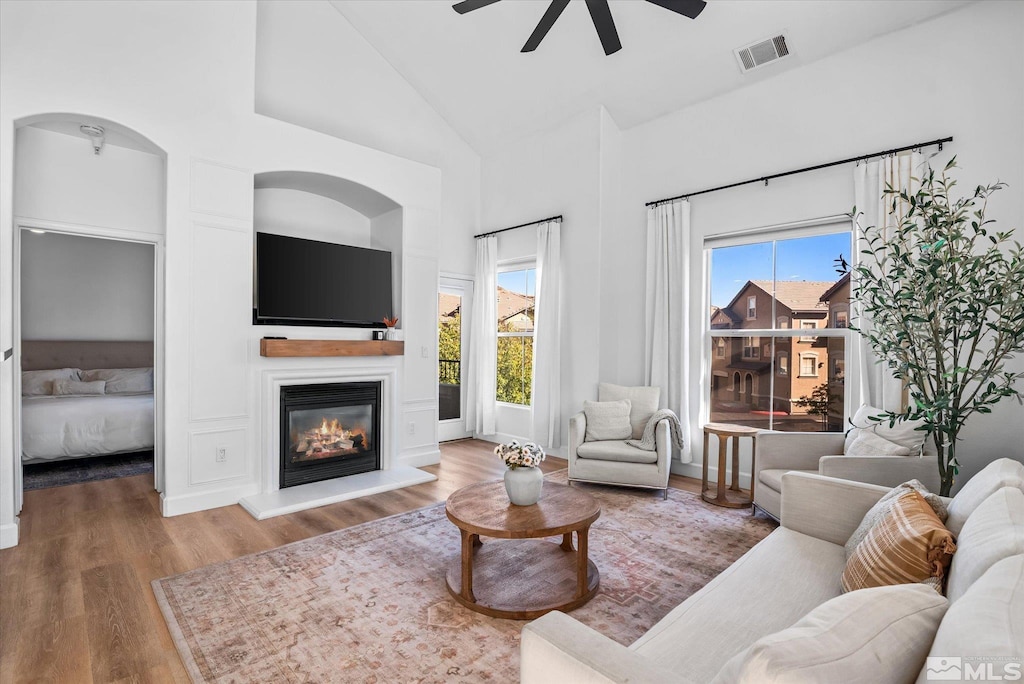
x,y
420,456
9,535
694,470
201,501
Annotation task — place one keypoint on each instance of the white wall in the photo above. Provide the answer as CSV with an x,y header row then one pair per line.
x,y
879,95
386,234
315,70
183,75
58,178
79,288
305,215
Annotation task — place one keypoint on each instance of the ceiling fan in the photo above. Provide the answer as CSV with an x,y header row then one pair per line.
x,y
600,13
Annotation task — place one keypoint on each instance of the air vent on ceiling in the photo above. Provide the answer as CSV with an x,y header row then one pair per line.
x,y
762,52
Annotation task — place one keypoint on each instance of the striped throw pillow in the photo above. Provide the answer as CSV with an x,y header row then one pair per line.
x,y
909,544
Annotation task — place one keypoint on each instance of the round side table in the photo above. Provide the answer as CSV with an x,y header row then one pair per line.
x,y
732,496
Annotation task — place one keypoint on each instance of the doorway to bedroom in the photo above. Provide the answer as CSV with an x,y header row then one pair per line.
x,y
87,327
89,213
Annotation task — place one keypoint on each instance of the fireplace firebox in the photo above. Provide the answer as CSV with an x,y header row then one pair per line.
x,y
329,430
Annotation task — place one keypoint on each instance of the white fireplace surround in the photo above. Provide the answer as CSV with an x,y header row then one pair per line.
x,y
272,500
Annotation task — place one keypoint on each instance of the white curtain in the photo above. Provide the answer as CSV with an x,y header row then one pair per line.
x,y
667,339
547,338
483,341
877,386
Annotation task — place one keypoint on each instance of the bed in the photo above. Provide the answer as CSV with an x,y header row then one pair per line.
x,y
56,428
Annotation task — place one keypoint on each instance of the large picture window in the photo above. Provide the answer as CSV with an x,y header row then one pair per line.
x,y
809,304
516,295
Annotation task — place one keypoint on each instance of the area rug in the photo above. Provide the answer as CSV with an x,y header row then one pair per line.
x,y
369,603
61,473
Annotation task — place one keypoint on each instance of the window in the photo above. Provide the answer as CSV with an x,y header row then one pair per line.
x,y
750,345
796,325
808,365
840,318
515,309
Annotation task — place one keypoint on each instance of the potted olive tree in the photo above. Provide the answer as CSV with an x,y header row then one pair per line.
x,y
944,296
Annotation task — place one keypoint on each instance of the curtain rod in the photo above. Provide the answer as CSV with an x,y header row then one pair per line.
x,y
765,179
521,225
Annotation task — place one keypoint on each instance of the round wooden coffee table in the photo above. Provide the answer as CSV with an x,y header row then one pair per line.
x,y
525,577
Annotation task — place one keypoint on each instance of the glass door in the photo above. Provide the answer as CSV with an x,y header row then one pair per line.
x,y
453,302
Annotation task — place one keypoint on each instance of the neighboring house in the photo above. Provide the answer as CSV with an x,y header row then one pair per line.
x,y
837,298
741,368
448,306
515,310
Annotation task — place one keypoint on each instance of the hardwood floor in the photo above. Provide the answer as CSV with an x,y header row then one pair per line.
x,y
75,598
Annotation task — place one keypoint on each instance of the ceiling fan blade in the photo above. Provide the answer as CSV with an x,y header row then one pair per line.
x,y
605,25
470,5
551,14
688,8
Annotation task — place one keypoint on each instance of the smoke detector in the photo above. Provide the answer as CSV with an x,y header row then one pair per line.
x,y
96,135
761,52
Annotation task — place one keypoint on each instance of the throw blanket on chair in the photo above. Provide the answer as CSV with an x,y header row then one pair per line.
x,y
646,441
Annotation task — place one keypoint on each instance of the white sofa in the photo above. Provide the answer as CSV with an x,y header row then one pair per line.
x,y
822,453
793,570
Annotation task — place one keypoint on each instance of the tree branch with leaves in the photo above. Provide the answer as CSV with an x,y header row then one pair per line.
x,y
944,307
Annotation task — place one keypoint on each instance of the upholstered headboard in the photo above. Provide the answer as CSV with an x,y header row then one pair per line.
x,y
87,355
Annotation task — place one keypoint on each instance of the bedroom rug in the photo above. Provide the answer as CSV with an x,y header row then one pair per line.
x,y
369,603
60,473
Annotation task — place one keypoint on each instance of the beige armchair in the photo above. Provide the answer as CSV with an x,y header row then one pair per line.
x,y
613,461
821,453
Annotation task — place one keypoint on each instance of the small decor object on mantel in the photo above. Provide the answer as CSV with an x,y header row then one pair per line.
x,y
523,479
391,323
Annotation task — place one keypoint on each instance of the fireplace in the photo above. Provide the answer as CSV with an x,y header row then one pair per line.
x,y
329,430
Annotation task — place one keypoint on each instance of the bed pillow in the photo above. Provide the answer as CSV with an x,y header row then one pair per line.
x,y
903,433
122,380
607,420
73,388
39,383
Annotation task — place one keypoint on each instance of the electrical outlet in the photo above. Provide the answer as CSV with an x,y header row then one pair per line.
x,y
425,352
410,428
222,454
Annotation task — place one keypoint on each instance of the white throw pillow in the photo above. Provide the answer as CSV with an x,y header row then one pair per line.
x,y
987,621
70,388
1003,472
903,433
643,403
993,532
122,380
874,636
607,420
39,383
867,443
880,509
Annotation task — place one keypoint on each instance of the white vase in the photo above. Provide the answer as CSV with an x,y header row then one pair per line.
x,y
390,334
523,485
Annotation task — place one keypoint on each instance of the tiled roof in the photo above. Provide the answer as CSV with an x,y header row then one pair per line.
x,y
448,304
798,295
510,303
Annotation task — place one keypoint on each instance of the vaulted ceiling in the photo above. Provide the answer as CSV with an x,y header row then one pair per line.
x,y
470,69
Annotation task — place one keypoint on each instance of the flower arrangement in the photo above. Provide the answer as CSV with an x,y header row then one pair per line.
x,y
391,322
516,455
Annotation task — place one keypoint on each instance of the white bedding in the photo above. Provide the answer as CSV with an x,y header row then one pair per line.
x,y
57,428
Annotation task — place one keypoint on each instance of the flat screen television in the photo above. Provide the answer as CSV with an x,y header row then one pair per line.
x,y
308,282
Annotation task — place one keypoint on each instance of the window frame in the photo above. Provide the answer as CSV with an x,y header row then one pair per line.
x,y
511,266
803,326
813,358
785,231
751,307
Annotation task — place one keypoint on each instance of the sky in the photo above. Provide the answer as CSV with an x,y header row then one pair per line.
x,y
523,282
807,258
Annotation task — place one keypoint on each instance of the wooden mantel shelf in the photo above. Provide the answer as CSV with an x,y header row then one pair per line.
x,y
280,348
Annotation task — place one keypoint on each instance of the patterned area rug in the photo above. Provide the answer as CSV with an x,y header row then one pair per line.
x,y
369,603
60,473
